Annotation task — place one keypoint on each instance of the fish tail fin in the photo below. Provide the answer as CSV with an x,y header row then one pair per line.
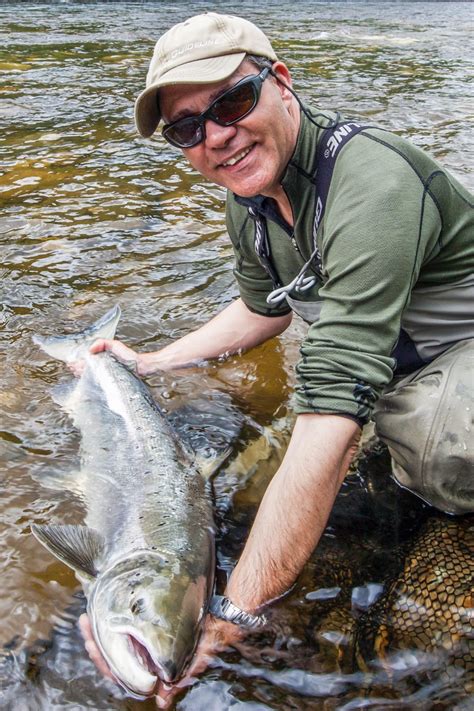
x,y
70,347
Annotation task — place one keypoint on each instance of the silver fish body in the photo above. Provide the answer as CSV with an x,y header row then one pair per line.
x,y
145,556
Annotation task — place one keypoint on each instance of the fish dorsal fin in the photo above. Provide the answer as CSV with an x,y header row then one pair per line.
x,y
79,547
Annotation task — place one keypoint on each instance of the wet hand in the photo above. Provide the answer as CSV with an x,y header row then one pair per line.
x,y
122,352
76,367
92,649
216,637
118,349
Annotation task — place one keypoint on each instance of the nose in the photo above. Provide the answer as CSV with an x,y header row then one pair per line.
x,y
218,136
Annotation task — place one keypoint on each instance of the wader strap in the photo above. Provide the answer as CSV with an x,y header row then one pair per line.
x,y
262,247
330,145
331,142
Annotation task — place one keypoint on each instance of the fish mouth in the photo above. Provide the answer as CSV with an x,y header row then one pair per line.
x,y
132,663
164,671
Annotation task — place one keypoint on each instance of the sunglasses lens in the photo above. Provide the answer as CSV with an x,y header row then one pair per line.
x,y
184,133
235,104
229,108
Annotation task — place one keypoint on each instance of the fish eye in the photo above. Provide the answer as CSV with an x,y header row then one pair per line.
x,y
137,606
141,608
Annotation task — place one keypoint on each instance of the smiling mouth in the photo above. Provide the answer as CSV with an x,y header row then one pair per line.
x,y
235,159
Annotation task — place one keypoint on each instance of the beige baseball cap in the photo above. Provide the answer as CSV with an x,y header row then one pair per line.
x,y
204,49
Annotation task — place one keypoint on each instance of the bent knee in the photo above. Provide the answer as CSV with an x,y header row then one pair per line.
x,y
426,421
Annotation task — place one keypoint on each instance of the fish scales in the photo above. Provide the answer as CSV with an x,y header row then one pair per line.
x,y
124,452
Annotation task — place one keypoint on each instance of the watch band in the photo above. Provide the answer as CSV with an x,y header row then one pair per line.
x,y
224,609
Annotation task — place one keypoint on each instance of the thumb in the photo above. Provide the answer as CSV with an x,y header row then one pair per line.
x,y
102,344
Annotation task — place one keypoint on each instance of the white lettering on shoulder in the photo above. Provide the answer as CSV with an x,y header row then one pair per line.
x,y
336,137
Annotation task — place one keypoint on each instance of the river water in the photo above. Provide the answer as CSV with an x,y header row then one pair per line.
x,y
92,215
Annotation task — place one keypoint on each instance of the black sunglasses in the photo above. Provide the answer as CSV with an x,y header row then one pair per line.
x,y
230,107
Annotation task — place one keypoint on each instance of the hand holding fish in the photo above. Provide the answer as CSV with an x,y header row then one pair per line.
x,y
234,329
217,635
91,647
119,350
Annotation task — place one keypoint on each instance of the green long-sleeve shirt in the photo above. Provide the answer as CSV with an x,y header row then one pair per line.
x,y
396,242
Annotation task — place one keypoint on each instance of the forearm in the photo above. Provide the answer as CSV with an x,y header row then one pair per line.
x,y
294,510
234,329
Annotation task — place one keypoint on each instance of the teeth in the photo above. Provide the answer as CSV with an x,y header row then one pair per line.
x,y
235,159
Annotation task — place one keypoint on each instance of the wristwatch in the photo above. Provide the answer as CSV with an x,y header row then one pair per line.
x,y
224,609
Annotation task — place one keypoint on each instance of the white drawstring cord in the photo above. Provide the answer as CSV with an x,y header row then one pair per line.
x,y
299,284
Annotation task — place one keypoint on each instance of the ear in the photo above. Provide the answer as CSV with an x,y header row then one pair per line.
x,y
78,546
284,75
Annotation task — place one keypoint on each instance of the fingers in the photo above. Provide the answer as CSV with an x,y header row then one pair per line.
x,y
102,344
85,627
166,693
217,636
165,697
96,657
209,644
118,349
77,368
91,647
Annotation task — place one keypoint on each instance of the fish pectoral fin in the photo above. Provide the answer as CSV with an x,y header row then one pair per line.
x,y
79,547
207,464
208,429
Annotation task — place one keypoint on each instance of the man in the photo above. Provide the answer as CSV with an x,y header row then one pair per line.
x,y
363,235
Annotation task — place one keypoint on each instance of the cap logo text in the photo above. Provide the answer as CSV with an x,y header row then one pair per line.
x,y
193,45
